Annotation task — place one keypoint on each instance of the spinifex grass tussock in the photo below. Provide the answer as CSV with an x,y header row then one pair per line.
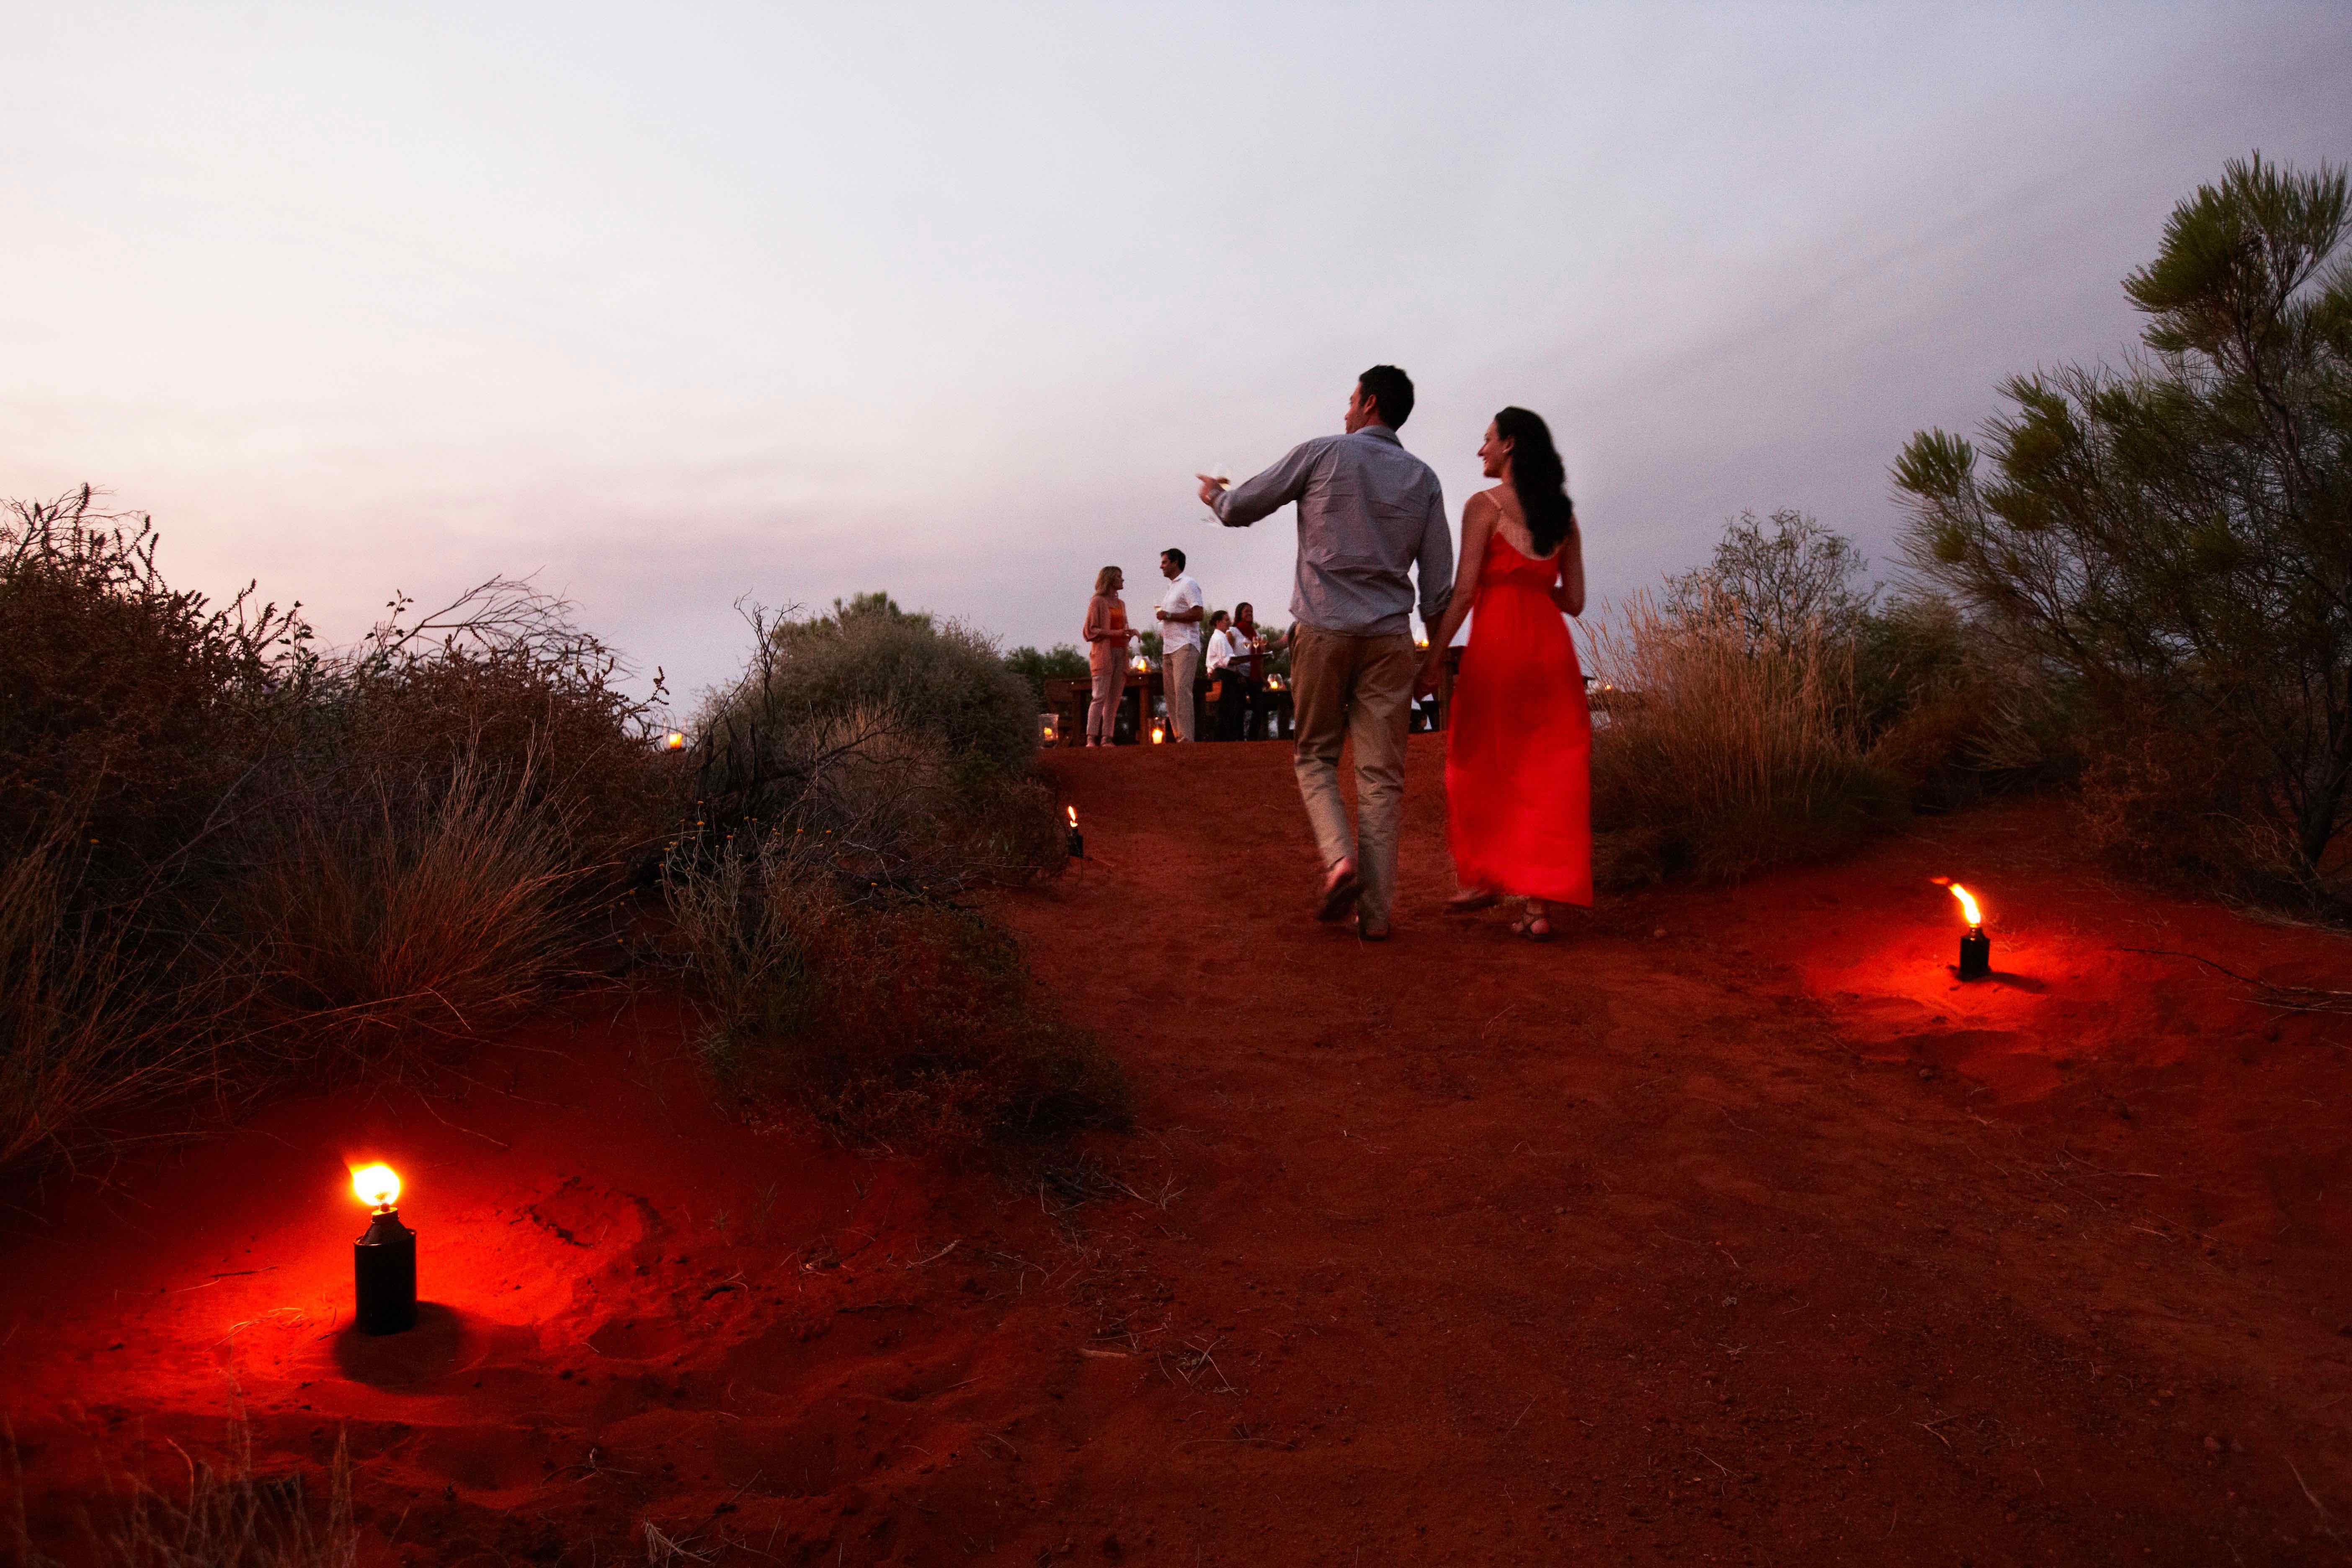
x,y
1723,750
217,1515
422,909
81,1030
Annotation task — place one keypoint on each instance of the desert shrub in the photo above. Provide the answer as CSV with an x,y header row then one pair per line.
x,y
247,853
2174,538
892,1019
911,744
132,707
1724,749
1948,713
502,681
867,767
943,681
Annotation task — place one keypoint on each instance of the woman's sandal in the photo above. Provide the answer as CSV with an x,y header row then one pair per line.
x,y
1534,928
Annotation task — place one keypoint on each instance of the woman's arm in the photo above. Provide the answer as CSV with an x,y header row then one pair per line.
x,y
1097,626
1568,591
1478,515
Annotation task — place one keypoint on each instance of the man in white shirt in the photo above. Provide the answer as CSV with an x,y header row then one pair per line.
x,y
1180,615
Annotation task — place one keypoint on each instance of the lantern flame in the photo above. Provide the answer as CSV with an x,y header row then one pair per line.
x,y
674,742
375,1186
1967,905
1074,815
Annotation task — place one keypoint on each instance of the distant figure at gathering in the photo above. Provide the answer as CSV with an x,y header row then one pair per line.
x,y
1179,641
1372,539
1238,651
1107,636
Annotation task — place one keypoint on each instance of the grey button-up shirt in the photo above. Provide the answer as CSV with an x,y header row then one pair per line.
x,y
1367,511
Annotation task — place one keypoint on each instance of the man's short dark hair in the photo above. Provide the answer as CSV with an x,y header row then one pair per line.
x,y
1176,555
1391,389
1219,616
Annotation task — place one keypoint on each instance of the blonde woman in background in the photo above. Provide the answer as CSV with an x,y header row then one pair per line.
x,y
1107,635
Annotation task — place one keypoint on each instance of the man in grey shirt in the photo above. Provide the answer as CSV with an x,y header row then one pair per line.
x,y
1368,512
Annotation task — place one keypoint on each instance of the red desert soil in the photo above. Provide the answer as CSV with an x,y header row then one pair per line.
x,y
1729,1228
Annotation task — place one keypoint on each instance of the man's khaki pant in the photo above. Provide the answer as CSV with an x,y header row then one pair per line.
x,y
1355,689
1178,666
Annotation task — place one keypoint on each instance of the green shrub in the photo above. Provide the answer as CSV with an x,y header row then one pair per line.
x,y
945,682
2174,540
912,746
1064,661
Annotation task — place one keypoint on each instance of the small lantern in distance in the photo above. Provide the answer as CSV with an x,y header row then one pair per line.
x,y
383,1261
1976,948
1077,839
1049,729
1159,731
674,742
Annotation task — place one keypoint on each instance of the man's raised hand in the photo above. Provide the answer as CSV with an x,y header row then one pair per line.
x,y
1211,487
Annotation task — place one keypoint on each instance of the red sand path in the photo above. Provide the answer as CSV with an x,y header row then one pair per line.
x,y
1728,1229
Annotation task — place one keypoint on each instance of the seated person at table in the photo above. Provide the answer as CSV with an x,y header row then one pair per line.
x,y
1228,661
1261,648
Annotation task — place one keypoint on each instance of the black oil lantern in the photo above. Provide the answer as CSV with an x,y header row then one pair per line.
x,y
1976,948
1077,839
383,1261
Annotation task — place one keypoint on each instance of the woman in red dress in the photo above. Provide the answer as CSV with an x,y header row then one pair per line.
x,y
1519,744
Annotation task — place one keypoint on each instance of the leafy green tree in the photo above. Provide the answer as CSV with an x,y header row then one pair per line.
x,y
2176,535
1061,662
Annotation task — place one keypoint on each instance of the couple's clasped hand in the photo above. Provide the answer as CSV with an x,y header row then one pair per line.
x,y
1425,683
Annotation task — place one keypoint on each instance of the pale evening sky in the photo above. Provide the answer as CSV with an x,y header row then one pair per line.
x,y
672,305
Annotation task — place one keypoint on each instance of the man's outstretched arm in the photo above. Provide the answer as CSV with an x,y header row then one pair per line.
x,y
1269,491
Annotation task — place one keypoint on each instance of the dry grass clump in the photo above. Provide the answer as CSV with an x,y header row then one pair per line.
x,y
235,853
228,1517
428,910
1727,749
80,1031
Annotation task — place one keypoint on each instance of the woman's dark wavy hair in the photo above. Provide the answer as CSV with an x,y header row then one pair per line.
x,y
1539,478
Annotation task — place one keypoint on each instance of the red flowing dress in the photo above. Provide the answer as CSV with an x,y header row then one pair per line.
x,y
1519,742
